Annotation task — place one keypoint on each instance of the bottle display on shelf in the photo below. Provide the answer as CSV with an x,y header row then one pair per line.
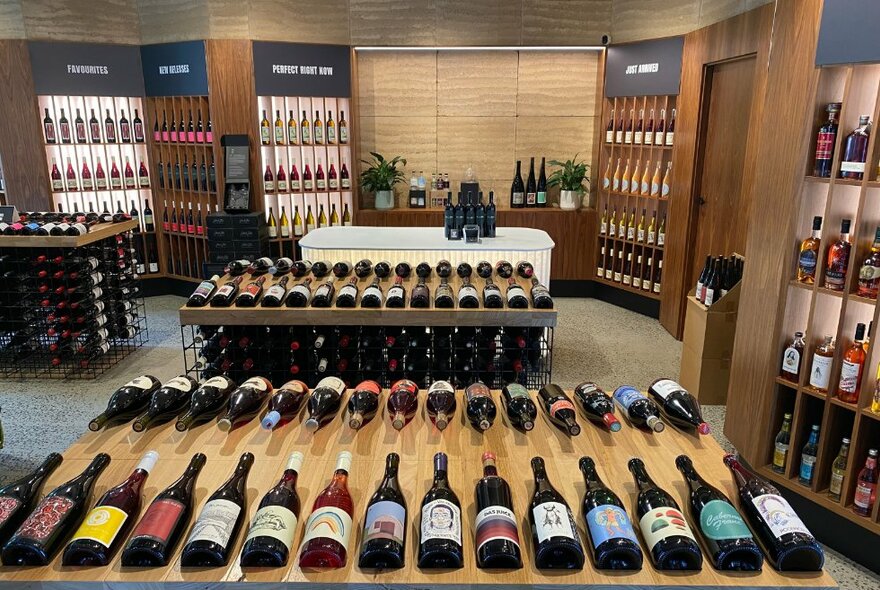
x,y
838,471
855,150
837,259
554,532
792,358
808,257
720,275
497,536
440,529
678,405
820,370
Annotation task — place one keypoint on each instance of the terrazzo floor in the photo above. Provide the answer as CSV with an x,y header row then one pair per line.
x,y
595,341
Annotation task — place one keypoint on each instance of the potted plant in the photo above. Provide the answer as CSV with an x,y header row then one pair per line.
x,y
380,177
571,176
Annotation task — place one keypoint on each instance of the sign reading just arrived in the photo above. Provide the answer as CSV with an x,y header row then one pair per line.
x,y
294,69
86,69
175,69
648,68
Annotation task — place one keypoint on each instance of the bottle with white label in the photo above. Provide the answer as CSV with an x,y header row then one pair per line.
x,y
820,370
270,538
245,403
126,402
497,536
216,529
384,538
440,544
167,402
207,402
328,529
554,532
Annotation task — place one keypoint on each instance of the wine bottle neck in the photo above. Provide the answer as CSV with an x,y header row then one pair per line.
x,y
641,477
592,479
739,472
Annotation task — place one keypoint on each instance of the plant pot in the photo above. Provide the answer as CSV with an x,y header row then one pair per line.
x,y
384,199
569,199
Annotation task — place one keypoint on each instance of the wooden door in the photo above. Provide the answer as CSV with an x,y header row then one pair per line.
x,y
721,203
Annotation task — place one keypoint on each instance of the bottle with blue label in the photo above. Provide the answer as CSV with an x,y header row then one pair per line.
x,y
808,457
385,523
637,408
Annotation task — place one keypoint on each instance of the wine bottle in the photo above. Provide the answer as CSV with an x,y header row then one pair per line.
x,y
480,408
300,294
207,402
167,402
492,296
126,402
396,297
324,402
521,410
363,404
155,537
637,408
107,524
612,538
664,529
285,404
726,537
251,293
440,544
783,536
596,405
559,408
203,292
421,295
328,529
275,294
56,516
554,532
516,295
467,294
216,528
348,294
384,536
372,297
497,538
541,298
440,403
245,403
403,401
678,405
226,293
443,295
17,499
270,538
323,296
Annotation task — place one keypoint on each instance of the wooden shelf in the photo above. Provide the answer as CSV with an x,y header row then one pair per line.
x,y
867,412
95,143
838,402
606,238
505,209
820,179
636,146
622,287
786,383
102,231
848,181
860,299
813,392
800,285
635,195
873,184
827,291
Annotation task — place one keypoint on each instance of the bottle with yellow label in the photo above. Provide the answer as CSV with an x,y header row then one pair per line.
x,y
624,179
655,182
645,187
652,229
634,179
667,178
615,185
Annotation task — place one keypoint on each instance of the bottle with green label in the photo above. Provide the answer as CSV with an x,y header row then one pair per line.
x,y
726,538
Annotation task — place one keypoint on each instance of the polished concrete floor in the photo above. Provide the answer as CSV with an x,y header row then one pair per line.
x,y
594,341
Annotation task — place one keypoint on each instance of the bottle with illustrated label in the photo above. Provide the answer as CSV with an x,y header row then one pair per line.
x,y
820,370
328,529
638,409
612,538
126,402
728,541
786,541
837,259
866,486
271,534
403,401
245,403
214,533
781,444
285,404
440,403
203,292
792,358
18,498
517,402
154,539
384,538
679,407
440,543
363,404
666,533
554,532
207,402
167,402
838,471
225,295
559,409
596,405
497,537
808,457
324,402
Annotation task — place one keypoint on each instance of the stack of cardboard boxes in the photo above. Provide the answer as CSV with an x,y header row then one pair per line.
x,y
232,237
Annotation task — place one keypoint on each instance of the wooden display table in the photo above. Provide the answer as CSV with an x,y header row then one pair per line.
x,y
100,232
416,444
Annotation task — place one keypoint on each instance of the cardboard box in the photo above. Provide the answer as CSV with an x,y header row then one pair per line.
x,y
706,378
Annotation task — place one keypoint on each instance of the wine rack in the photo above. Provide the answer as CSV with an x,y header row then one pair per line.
x,y
627,211
284,148
818,311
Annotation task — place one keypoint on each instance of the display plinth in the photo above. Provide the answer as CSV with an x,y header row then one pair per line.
x,y
416,444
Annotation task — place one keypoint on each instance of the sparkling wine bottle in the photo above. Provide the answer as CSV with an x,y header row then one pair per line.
x,y
612,538
126,402
521,410
207,402
245,403
559,408
596,405
554,532
56,516
440,544
497,538
785,539
328,529
284,404
270,538
666,533
440,403
324,402
678,405
216,528
167,402
637,408
17,499
480,408
363,403
384,538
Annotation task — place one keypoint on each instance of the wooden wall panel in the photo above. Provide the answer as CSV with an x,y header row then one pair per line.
x,y
11,20
229,19
385,84
163,21
647,19
565,22
91,21
483,142
303,21
555,137
477,84
557,84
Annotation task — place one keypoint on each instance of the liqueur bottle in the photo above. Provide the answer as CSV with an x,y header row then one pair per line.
x,y
820,371
678,405
384,538
808,457
554,532
613,541
402,403
497,537
838,471
167,402
363,404
781,445
792,358
207,402
126,402
851,369
324,402
284,404
855,150
866,486
559,408
440,544
521,410
440,403
809,254
869,273
17,499
245,403
837,259
825,141
328,529
596,405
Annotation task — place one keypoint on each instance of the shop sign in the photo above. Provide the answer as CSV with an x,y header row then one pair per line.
x,y
647,68
86,69
175,69
848,32
294,69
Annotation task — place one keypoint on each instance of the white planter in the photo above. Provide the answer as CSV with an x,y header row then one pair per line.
x,y
569,199
384,199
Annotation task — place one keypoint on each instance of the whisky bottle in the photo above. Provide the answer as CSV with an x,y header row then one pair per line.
x,y
838,471
869,273
820,371
851,369
624,179
837,259
792,358
265,135
780,445
825,141
809,254
855,150
615,184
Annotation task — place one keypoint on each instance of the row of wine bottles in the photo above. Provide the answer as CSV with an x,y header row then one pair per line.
x,y
639,132
122,130
86,181
332,180
186,131
644,233
32,532
720,274
187,176
469,212
304,132
638,181
59,224
282,227
640,272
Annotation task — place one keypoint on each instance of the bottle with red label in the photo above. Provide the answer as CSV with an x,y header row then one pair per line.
x,y
100,176
866,488
17,499
497,537
57,182
559,408
49,128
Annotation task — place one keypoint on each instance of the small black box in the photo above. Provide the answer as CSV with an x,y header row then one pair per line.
x,y
248,247
248,220
227,246
251,233
215,257
218,220
220,233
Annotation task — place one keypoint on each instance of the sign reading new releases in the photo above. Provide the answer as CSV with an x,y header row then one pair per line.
x,y
175,69
86,69
649,68
293,69
848,32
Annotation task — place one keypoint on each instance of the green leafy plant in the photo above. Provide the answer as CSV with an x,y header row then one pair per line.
x,y
381,174
570,176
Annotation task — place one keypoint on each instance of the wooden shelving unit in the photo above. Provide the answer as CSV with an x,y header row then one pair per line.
x,y
101,231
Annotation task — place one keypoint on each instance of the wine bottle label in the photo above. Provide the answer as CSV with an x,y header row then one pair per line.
x,y
780,451
849,376
825,145
666,387
608,521
346,183
709,297
865,492
836,483
348,291
282,185
658,138
661,239
332,383
628,137
385,520
101,525
637,137
858,167
142,382
159,521
274,521
624,185
618,137
219,381
553,519
275,292
603,228
542,197
650,237
294,185
204,289
225,291
8,506
644,187
517,198
609,137
216,522
807,262
373,291
820,373
515,390
640,235
661,523
469,291
302,290
560,404
512,294
807,464
396,292
180,384
328,522
779,516
670,137
496,522
441,519
256,383
720,521
45,518
791,360
617,277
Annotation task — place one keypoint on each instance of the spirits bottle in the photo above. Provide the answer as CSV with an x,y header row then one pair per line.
x,y
596,405
808,457
781,445
497,537
384,537
127,402
809,254
838,471
324,402
18,497
866,486
820,371
825,141
869,274
440,542
554,532
328,529
167,402
559,408
678,405
837,259
851,369
855,150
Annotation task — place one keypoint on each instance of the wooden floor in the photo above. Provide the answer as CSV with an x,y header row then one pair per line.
x,y
416,444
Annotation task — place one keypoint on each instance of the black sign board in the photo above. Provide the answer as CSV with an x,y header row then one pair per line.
x,y
175,69
293,69
648,68
848,32
86,69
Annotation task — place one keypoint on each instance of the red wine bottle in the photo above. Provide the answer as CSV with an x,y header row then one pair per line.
x,y
403,401
725,535
56,516
363,403
167,402
521,410
155,537
284,404
207,402
637,408
596,405
245,403
554,532
559,408
18,498
215,530
300,294
107,524
783,536
270,538
203,292
226,293
324,402
384,538
127,402
396,297
497,538
440,403
666,533
328,529
678,405
612,538
440,531
480,409
372,297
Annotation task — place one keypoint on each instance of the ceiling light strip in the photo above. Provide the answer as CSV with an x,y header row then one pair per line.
x,y
410,48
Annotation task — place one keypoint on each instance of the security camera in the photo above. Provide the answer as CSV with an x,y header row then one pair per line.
x,y
606,39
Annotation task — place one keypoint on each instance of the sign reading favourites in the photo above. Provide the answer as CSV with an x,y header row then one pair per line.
x,y
293,69
648,68
848,32
86,69
175,69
